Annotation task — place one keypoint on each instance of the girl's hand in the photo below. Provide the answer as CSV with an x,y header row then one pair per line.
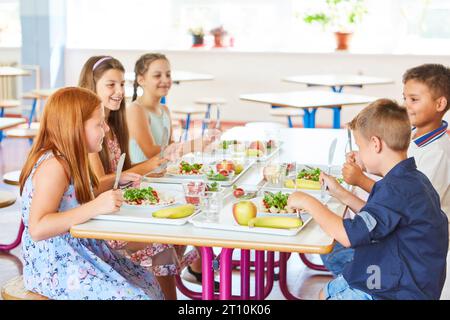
x,y
209,138
109,201
352,173
298,200
334,187
173,152
128,177
156,161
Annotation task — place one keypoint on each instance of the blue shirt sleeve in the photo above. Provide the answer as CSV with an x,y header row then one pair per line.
x,y
377,219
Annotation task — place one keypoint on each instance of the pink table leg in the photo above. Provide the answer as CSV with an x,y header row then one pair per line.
x,y
8,247
245,274
207,273
282,280
226,267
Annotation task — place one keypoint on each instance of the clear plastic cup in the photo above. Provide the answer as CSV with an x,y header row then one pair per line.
x,y
194,191
212,205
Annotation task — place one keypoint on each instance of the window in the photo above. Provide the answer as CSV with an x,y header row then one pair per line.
x,y
390,26
10,30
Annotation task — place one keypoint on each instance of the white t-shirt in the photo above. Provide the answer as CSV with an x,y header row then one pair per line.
x,y
433,159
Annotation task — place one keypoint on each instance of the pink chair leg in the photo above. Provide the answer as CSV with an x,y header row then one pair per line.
x,y
282,280
185,291
310,264
225,273
269,273
8,247
259,275
245,274
207,273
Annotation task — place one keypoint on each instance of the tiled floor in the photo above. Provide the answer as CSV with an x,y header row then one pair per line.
x,y
302,281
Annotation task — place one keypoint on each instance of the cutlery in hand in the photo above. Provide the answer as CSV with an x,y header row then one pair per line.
x,y
119,170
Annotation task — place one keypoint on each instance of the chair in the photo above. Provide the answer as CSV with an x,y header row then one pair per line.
x,y
14,289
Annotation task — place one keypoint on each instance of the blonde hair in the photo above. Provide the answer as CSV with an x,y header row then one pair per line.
x,y
92,71
386,120
141,67
62,132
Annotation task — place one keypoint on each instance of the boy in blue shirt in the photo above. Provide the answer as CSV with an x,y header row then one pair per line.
x,y
426,93
400,236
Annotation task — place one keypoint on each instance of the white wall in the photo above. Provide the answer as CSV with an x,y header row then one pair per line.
x,y
249,72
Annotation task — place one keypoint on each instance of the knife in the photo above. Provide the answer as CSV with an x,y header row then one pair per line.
x,y
349,135
330,161
331,154
119,170
164,144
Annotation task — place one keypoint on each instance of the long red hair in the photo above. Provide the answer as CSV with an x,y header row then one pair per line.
x,y
62,132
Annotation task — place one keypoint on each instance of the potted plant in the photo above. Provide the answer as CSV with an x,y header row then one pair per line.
x,y
198,36
341,16
218,34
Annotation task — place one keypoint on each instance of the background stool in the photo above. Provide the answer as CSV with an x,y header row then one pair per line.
x,y
6,199
14,289
209,102
286,112
188,112
7,104
12,177
22,133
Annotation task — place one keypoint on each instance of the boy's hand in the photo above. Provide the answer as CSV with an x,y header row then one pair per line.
x,y
299,200
352,174
353,157
334,187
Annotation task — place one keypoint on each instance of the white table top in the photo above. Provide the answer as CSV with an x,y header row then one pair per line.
x,y
308,99
178,76
13,72
6,123
331,80
302,145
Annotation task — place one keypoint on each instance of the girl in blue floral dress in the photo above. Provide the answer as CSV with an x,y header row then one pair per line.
x,y
56,187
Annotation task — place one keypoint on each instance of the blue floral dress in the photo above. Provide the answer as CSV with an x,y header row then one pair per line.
x,y
64,267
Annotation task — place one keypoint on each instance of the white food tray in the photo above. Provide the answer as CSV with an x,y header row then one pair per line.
x,y
226,222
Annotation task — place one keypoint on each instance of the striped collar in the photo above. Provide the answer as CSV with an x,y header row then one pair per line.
x,y
429,137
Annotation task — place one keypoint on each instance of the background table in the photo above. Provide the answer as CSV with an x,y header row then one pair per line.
x,y
337,82
308,101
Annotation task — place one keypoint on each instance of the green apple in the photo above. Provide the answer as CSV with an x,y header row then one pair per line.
x,y
244,211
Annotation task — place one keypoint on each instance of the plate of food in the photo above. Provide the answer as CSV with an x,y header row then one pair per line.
x,y
146,198
186,170
224,170
307,178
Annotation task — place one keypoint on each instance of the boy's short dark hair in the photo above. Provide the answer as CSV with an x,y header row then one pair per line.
x,y
387,120
435,76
